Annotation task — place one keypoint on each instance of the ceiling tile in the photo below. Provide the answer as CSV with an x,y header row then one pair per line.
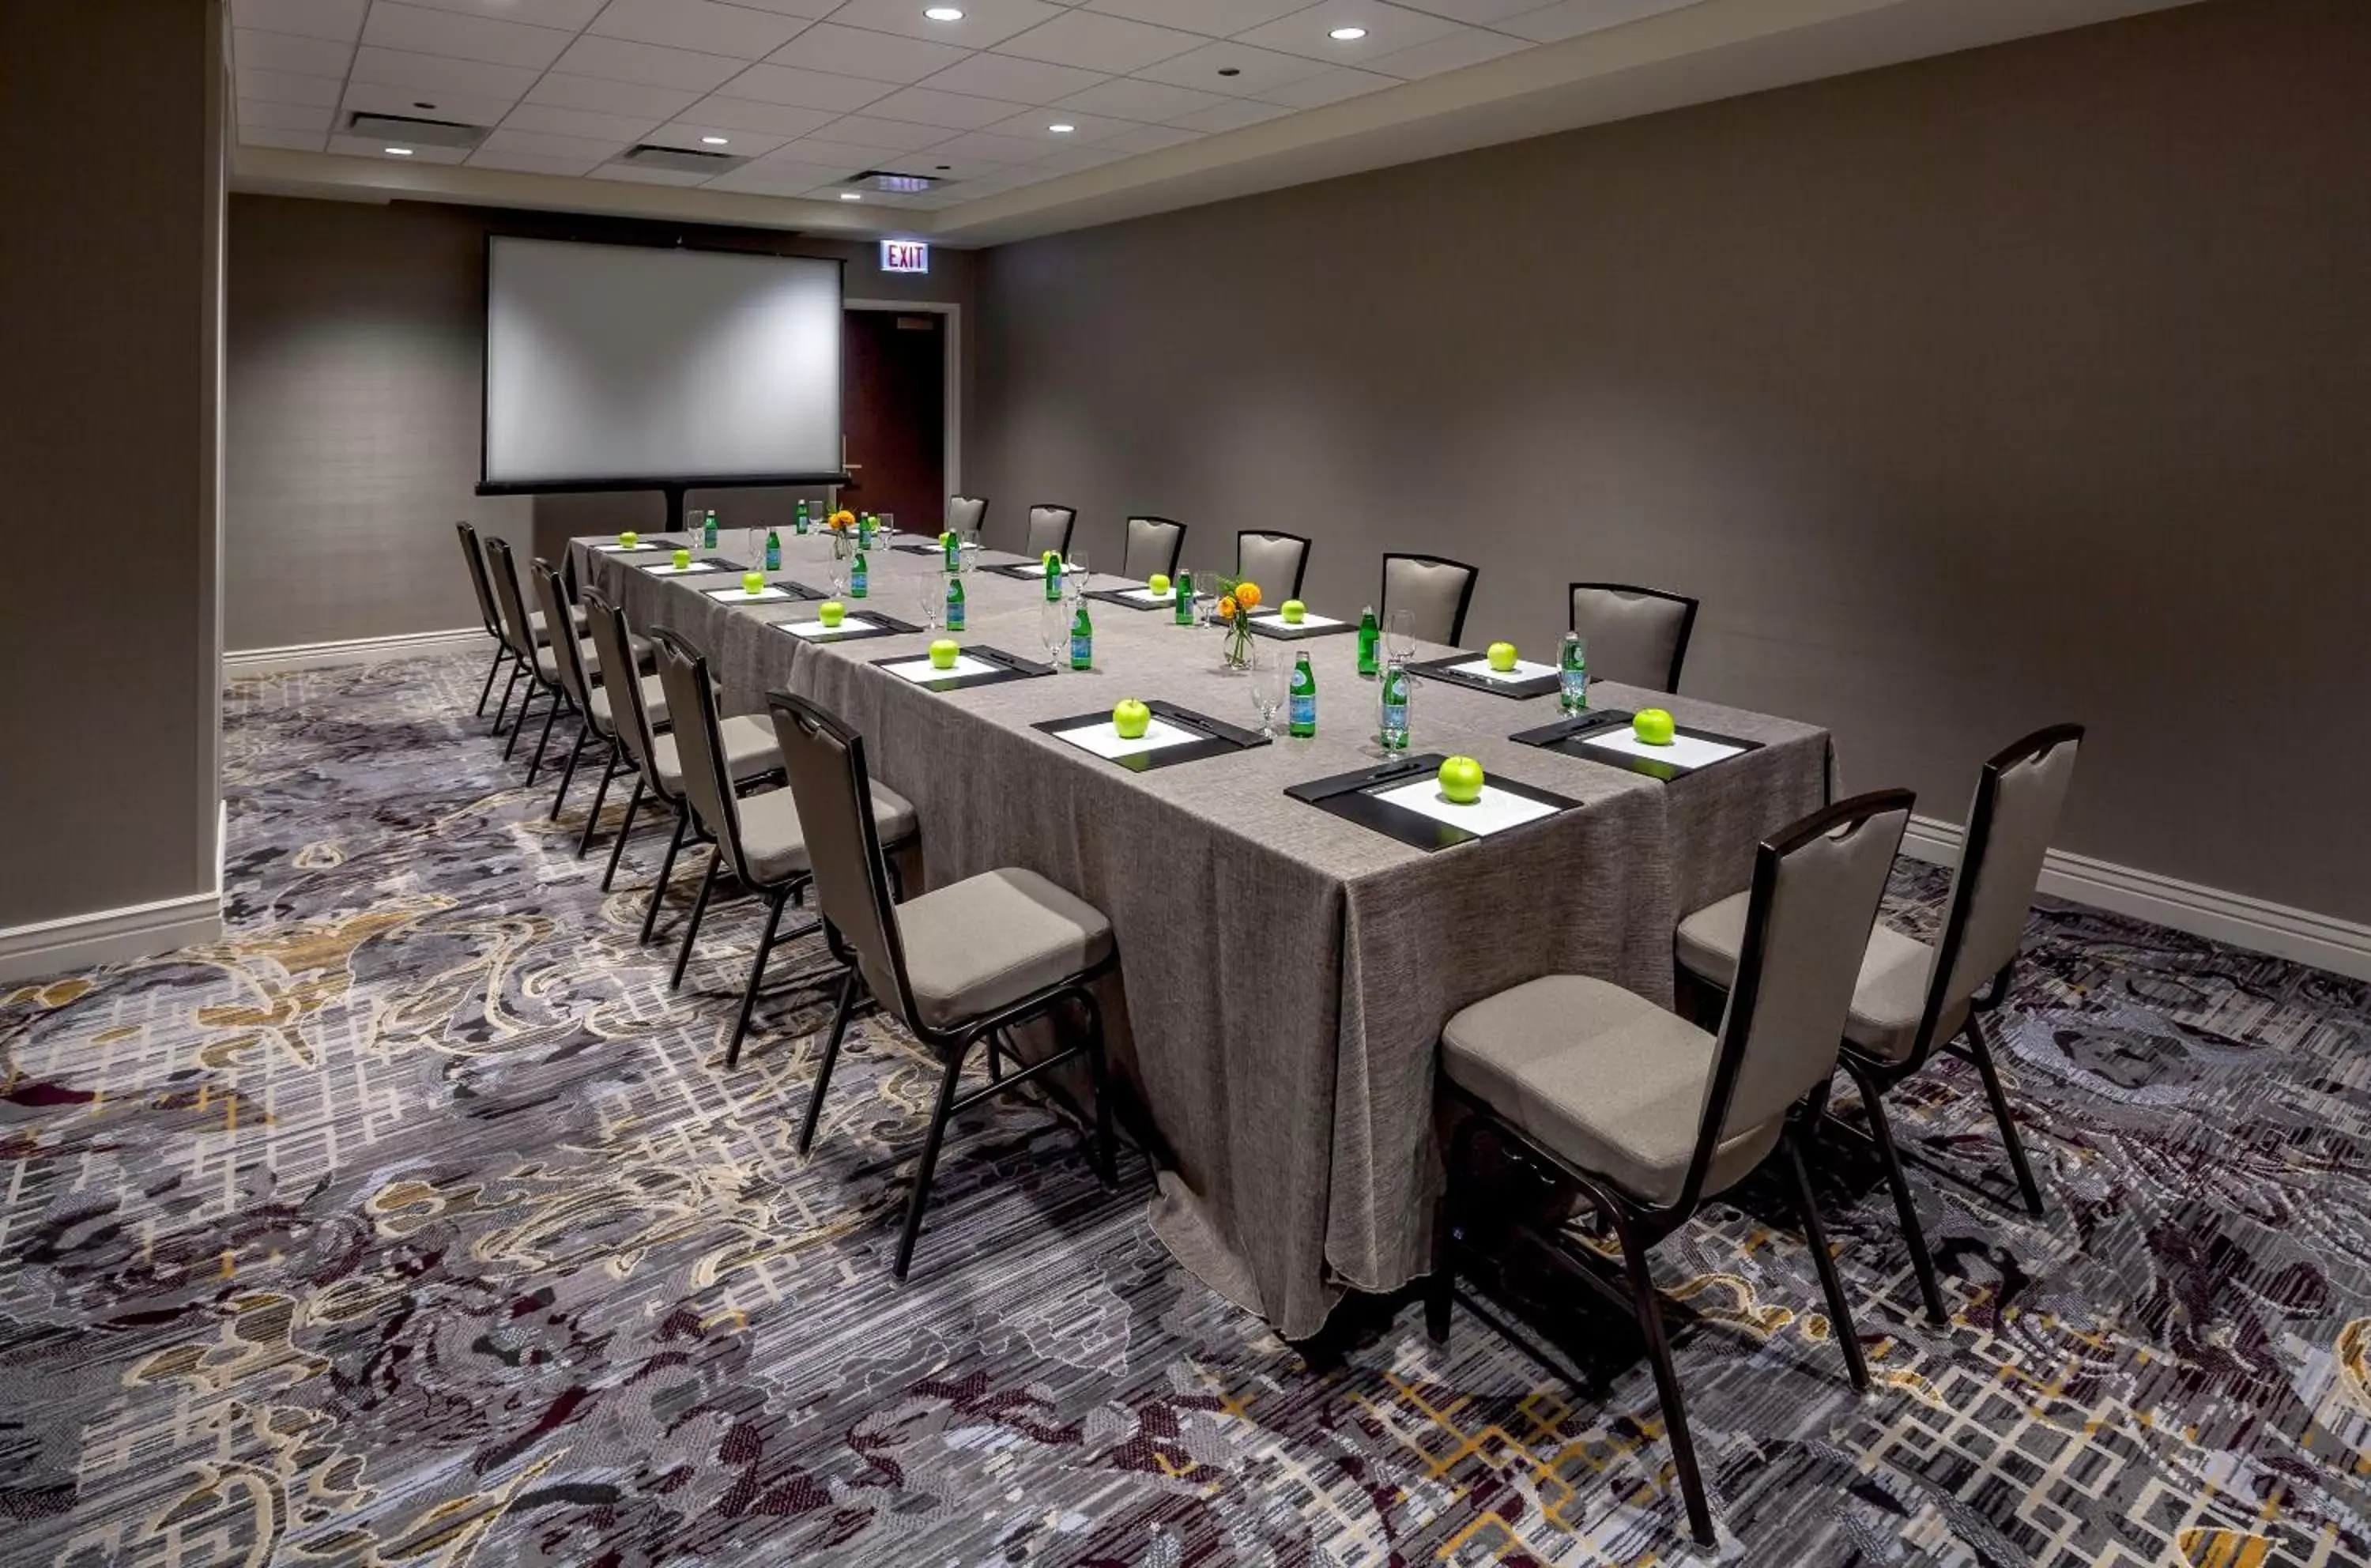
x,y
1100,42
765,178
564,91
518,162
253,50
1013,79
984,22
1131,97
1482,13
955,167
1149,138
1085,129
286,116
1232,114
1329,86
877,56
544,144
956,111
1389,29
1070,160
804,89
292,141
747,114
851,155
1257,70
635,176
338,20
280,86
738,142
871,131
990,147
617,60
429,74
699,25
1466,46
1573,18
545,118
461,35
1220,19
571,15
375,148
806,10
467,109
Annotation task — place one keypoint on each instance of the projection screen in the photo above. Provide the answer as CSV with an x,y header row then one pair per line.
x,y
636,366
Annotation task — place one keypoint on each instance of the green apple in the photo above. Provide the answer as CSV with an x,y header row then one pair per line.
x,y
945,540
630,538
943,653
1292,610
1132,719
1052,562
1460,780
1652,726
1501,656
681,558
831,612
1158,583
753,582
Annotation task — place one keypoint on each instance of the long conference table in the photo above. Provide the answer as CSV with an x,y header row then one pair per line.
x,y
1284,972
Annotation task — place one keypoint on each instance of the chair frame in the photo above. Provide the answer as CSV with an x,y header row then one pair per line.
x,y
1687,620
1640,1224
1177,544
1069,528
981,500
488,612
1465,598
951,1047
567,658
1300,572
504,568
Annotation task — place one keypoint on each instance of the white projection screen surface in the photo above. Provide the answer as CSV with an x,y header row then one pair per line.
x,y
618,363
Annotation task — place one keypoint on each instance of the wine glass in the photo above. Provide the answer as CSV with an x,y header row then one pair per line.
x,y
1269,682
1399,636
1074,574
885,530
968,555
1054,633
1206,596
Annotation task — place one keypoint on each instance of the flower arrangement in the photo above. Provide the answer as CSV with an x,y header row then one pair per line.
x,y
842,527
1238,597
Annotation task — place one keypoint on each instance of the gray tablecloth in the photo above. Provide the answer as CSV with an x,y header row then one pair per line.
x,y
1284,973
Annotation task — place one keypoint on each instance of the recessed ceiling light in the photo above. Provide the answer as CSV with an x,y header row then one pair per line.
x,y
944,13
1346,35
852,195
398,152
1061,128
717,141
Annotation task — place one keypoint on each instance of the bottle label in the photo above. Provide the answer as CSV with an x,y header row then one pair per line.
x,y
856,584
954,608
1304,711
1082,652
1185,603
773,556
708,534
1576,685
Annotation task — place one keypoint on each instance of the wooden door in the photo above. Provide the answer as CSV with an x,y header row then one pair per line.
x,y
894,382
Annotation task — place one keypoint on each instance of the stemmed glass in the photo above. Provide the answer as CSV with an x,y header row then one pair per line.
x,y
1054,632
1399,636
1268,685
1206,596
929,589
885,531
967,555
1075,575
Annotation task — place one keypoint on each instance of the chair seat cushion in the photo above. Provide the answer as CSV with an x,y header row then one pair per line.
x,y
984,943
775,846
750,752
653,703
547,662
543,633
1887,1000
1600,1077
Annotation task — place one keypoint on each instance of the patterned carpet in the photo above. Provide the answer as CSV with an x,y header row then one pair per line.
x,y
417,1223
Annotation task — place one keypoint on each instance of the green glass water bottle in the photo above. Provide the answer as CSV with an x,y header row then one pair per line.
x,y
1572,675
865,532
1304,700
859,575
1083,639
955,602
1394,726
773,547
799,524
951,545
1368,638
1053,566
708,533
1185,591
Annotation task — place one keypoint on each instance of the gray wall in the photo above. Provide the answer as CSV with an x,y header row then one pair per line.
x,y
355,340
2028,384
107,373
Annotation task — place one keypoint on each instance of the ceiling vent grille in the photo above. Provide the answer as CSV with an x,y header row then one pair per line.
x,y
412,131
892,182
681,160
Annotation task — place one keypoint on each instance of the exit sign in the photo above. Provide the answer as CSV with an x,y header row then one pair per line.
x,y
905,256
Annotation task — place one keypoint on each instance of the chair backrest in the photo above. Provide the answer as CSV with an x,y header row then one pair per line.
x,y
2019,796
1637,636
518,630
699,744
1816,887
1433,590
1276,562
476,556
630,716
552,595
1049,529
966,513
1153,544
833,789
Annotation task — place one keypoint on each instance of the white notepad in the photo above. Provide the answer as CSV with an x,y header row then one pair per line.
x,y
817,628
1145,596
769,595
921,672
1685,750
1310,620
1102,738
1524,670
1037,569
1495,812
638,548
671,569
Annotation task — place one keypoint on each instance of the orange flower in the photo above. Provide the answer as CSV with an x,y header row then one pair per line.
x,y
1247,594
842,520
1226,609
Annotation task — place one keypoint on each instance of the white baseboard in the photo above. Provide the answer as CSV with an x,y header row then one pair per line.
x,y
109,936
359,651
2323,941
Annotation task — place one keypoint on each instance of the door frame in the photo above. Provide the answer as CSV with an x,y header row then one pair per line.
x,y
951,459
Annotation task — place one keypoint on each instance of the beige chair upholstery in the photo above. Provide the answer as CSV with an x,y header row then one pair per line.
x,y
966,513
543,631
1276,563
1887,1000
982,944
774,847
1049,529
475,554
654,701
1153,544
1635,636
1432,592
749,753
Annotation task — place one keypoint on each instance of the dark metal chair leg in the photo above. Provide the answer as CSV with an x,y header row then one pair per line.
x,y
1645,1302
1904,1203
691,927
576,754
1816,1235
830,1055
625,830
487,694
666,871
1980,1049
1448,1223
1106,1154
551,717
503,710
600,797
774,902
930,1163
519,725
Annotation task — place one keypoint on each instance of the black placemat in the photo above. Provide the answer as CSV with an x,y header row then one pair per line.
x,y
1008,668
1022,571
1120,596
717,561
796,590
886,626
1351,796
1272,624
1566,735
646,546
1224,739
921,546
1445,671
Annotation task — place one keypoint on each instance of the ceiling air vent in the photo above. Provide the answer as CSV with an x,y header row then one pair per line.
x,y
413,131
680,160
901,184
